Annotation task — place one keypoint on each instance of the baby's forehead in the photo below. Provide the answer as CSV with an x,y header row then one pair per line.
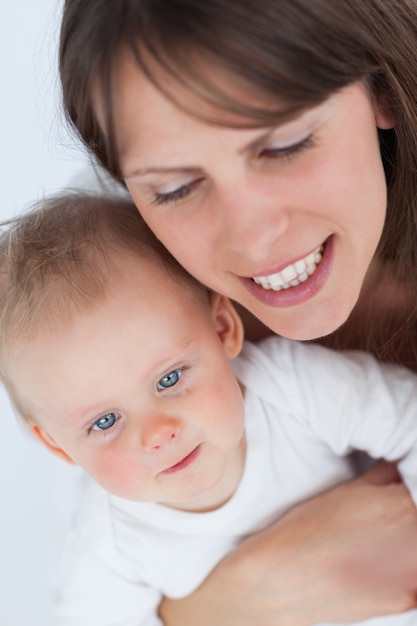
x,y
54,303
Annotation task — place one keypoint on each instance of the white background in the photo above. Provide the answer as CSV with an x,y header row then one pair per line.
x,y
37,156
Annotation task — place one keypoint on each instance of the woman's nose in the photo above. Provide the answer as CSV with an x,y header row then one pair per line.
x,y
159,431
251,224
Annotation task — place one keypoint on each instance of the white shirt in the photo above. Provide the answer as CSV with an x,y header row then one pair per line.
x,y
306,408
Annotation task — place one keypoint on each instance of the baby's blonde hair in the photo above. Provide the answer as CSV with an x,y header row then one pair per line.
x,y
59,257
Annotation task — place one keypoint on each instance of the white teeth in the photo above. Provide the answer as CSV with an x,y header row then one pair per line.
x,y
293,274
300,266
289,273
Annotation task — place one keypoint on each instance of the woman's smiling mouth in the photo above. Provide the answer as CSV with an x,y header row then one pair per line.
x,y
297,282
293,274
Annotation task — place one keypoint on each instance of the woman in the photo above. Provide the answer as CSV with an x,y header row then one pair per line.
x,y
271,147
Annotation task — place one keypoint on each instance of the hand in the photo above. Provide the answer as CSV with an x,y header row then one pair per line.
x,y
346,555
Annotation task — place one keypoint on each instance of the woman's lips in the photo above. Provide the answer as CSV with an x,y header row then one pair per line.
x,y
293,274
300,293
185,462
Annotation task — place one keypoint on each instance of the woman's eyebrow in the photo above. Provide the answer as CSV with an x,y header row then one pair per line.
x,y
286,118
148,171
251,146
255,144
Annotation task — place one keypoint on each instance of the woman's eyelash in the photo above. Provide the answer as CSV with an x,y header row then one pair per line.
x,y
269,153
288,151
177,194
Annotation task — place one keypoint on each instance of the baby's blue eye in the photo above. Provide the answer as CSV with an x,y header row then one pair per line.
x,y
106,421
169,380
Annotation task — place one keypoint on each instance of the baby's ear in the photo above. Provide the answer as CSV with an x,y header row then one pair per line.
x,y
227,324
49,442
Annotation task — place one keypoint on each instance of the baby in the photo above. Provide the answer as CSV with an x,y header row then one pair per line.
x,y
191,439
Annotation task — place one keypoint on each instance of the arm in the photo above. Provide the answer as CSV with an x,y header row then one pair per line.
x,y
326,552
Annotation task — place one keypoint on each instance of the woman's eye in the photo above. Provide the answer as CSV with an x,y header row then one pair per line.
x,y
169,380
287,151
105,421
178,194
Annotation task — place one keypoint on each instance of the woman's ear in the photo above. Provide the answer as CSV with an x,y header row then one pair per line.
x,y
49,442
384,115
227,324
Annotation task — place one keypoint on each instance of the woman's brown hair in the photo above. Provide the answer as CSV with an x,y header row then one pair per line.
x,y
296,51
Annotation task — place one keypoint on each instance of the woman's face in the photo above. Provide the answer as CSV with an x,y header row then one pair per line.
x,y
284,220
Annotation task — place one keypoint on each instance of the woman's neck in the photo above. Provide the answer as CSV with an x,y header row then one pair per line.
x,y
380,321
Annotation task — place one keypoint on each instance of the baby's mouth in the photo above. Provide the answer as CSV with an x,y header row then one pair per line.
x,y
185,462
293,274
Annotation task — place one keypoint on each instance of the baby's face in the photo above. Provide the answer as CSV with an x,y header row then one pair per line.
x,y
139,391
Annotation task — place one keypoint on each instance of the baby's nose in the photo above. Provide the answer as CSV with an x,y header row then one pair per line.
x,y
159,432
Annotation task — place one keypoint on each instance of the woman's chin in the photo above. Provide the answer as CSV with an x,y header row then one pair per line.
x,y
305,323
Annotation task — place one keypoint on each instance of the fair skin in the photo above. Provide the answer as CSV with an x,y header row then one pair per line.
x,y
270,584
243,204
153,412
240,204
